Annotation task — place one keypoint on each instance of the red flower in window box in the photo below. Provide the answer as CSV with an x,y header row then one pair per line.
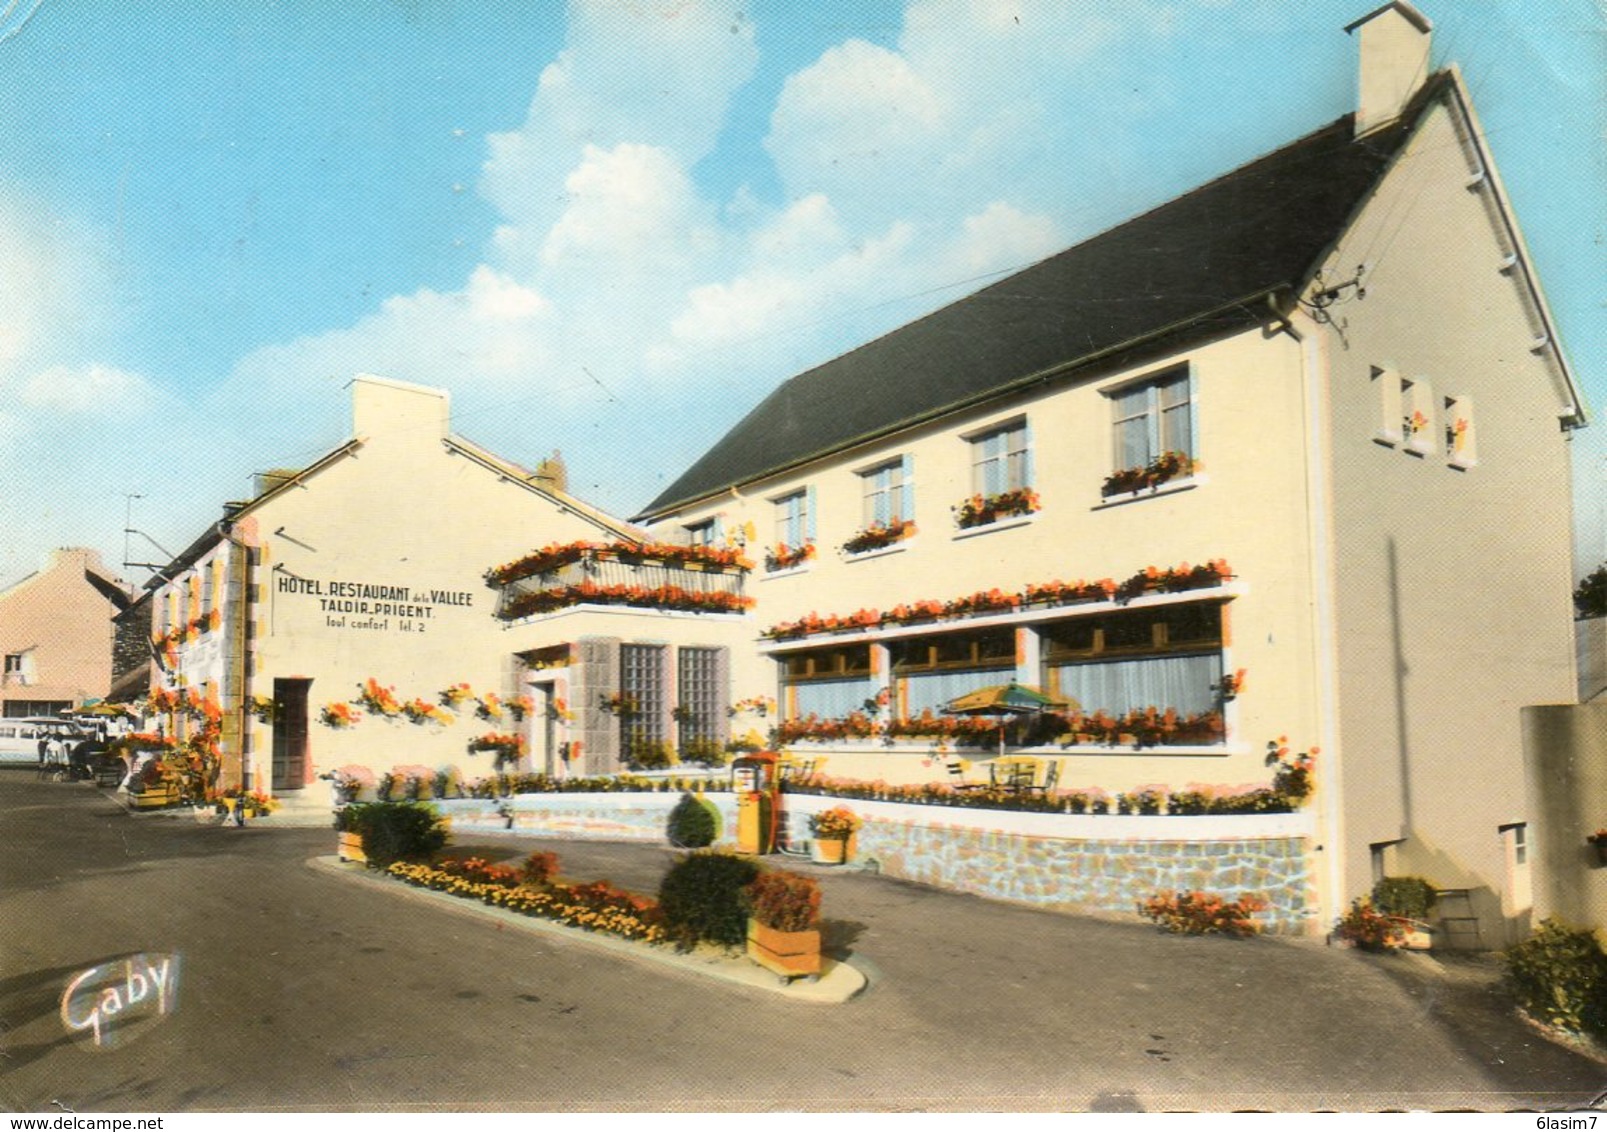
x,y
879,535
980,510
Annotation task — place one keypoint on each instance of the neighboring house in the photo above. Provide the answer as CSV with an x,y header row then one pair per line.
x,y
1329,378
132,652
365,566
56,635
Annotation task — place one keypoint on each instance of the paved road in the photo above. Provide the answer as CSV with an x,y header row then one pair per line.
x,y
304,990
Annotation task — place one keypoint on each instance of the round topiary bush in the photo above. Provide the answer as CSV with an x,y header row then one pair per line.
x,y
702,898
694,823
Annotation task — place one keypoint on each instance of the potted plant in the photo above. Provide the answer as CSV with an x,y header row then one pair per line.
x,y
784,924
1366,928
832,829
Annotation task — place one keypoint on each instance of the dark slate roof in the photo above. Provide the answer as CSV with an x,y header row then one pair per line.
x,y
1197,261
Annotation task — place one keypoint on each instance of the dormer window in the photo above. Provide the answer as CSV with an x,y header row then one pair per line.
x,y
700,534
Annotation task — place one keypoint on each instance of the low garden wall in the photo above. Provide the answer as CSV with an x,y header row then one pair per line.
x,y
596,817
1063,862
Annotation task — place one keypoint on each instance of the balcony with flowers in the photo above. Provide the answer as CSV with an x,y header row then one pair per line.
x,y
661,577
1037,601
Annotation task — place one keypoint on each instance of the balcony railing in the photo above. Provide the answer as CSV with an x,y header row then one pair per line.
x,y
607,577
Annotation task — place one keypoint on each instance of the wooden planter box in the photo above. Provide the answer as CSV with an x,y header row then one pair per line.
x,y
790,955
351,848
155,798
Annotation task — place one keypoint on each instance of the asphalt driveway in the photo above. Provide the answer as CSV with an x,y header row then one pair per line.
x,y
305,990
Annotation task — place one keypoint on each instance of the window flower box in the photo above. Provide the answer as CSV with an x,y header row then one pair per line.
x,y
980,510
879,535
1147,477
784,557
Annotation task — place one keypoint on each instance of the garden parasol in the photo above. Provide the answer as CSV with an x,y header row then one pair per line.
x,y
1005,700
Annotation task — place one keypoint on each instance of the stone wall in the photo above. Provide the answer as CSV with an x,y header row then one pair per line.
x,y
1062,862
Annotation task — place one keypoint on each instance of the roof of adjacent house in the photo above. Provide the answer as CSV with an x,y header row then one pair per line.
x,y
287,480
1199,261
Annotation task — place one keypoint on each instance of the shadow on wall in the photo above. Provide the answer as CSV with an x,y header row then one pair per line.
x,y
1468,915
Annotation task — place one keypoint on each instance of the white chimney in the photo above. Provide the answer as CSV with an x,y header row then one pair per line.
x,y
1394,63
383,407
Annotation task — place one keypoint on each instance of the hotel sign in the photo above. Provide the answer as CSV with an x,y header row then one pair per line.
x,y
373,605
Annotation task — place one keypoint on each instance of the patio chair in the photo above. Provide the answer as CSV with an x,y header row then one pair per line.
x,y
1022,778
957,778
795,769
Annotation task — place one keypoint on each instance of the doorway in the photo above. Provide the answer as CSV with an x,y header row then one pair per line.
x,y
290,734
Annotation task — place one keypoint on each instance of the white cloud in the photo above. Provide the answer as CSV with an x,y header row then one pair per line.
x,y
631,209
92,389
655,72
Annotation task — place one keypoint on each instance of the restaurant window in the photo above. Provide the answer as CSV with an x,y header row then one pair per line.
x,y
933,670
700,698
1122,662
830,682
641,681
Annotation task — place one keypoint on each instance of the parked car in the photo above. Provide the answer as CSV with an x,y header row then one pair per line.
x,y
19,738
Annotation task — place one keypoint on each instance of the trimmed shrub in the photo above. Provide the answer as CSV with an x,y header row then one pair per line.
x,y
1411,897
1203,913
702,898
395,831
694,823
539,869
785,901
1560,977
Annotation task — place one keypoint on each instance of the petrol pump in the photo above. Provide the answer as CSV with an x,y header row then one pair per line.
x,y
756,785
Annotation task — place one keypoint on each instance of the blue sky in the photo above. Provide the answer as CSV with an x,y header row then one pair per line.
x,y
610,228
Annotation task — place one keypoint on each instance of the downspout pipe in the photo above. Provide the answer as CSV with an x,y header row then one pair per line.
x,y
1320,548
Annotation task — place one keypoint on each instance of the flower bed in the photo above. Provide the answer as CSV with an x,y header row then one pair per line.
x,y
1151,579
597,907
505,785
1290,786
1146,727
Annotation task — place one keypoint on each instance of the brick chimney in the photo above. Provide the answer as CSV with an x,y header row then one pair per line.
x,y
1394,63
